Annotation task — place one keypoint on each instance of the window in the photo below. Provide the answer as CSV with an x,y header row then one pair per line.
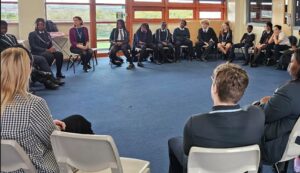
x,y
148,14
103,45
147,0
181,1
107,13
110,1
210,15
67,1
260,11
297,13
104,30
9,10
211,1
65,13
181,14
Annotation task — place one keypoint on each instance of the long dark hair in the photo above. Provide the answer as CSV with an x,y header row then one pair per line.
x,y
146,25
122,23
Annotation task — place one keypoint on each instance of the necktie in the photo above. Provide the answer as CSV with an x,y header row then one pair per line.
x,y
122,36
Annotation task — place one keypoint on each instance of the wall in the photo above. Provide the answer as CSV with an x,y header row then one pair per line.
x,y
28,12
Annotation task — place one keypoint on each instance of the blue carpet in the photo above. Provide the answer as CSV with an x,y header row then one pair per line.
x,y
141,109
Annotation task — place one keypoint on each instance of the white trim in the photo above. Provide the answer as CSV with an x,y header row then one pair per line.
x,y
229,110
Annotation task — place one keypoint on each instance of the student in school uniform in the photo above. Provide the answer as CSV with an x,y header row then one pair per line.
x,y
181,37
207,40
225,40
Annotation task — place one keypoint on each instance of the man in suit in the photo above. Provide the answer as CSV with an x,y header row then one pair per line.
x,y
163,38
181,37
282,110
246,42
226,126
41,70
207,40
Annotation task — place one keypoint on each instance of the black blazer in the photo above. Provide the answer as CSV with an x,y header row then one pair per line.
x,y
227,38
225,127
282,111
115,33
248,39
7,41
39,42
138,37
207,37
265,37
158,36
181,35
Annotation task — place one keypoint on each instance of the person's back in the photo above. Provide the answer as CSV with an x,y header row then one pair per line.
x,y
225,127
27,121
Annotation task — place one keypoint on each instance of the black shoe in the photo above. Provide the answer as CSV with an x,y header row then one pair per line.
x,y
58,81
253,65
50,85
245,64
203,59
131,66
157,62
60,76
85,69
140,64
88,66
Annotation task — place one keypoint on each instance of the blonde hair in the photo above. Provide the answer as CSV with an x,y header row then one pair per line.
x,y
15,74
205,21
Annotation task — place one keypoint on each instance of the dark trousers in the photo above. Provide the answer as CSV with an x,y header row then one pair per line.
x,y
143,52
204,51
178,160
124,48
161,52
78,124
85,55
58,56
277,49
245,52
186,42
41,63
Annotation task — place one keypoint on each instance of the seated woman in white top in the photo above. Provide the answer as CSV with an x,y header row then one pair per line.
x,y
280,41
26,118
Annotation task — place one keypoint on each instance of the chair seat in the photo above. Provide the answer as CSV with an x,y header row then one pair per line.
x,y
95,49
149,49
184,46
166,48
129,165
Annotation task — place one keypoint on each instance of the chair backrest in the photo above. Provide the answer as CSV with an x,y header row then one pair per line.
x,y
89,153
13,157
225,160
292,150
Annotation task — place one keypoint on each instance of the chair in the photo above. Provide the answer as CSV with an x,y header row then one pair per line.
x,y
13,157
92,153
94,58
225,160
182,49
73,57
292,149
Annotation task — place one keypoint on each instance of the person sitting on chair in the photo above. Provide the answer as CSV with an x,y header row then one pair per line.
x,y
282,111
225,40
163,39
119,39
181,37
263,43
207,40
226,126
285,58
42,72
26,118
143,40
79,38
279,42
246,42
40,43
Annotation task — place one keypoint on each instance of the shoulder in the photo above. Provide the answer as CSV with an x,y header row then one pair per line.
x,y
290,88
32,34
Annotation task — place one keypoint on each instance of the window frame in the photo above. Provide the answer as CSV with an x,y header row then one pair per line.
x,y
12,2
248,15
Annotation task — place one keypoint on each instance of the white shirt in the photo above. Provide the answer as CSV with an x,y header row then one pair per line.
x,y
205,30
182,29
284,39
119,35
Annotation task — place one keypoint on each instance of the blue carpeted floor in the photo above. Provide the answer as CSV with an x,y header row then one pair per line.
x,y
141,109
